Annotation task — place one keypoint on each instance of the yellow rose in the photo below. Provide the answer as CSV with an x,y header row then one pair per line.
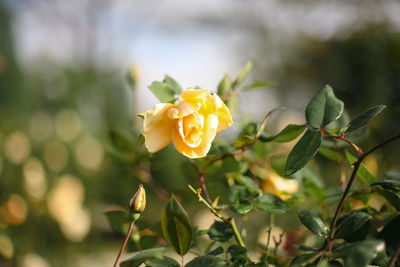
x,y
191,125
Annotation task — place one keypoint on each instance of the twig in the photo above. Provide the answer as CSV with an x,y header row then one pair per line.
x,y
124,244
201,178
339,208
341,137
229,221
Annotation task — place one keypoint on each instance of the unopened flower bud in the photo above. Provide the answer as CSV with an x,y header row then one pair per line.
x,y
138,202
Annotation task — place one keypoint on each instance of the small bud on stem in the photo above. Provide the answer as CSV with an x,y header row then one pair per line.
x,y
138,202
136,206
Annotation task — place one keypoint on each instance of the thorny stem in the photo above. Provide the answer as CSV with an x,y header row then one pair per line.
x,y
329,240
203,186
202,182
202,200
124,244
229,221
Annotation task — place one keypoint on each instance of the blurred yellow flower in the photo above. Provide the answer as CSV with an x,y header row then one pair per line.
x,y
191,125
278,185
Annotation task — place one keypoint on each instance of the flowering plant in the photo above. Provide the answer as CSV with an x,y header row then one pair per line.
x,y
349,224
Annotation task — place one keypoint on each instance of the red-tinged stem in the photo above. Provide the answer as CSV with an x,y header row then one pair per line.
x,y
201,178
341,137
124,244
330,238
203,186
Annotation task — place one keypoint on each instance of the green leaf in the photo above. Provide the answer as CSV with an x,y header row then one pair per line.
x,y
230,165
238,253
271,203
224,86
243,142
243,207
220,231
164,262
363,118
142,256
392,197
363,173
249,129
304,259
243,73
119,220
312,220
289,133
259,84
249,183
313,187
330,154
237,193
278,164
389,184
323,108
359,253
303,151
264,123
217,251
232,103
357,135
206,261
172,84
176,226
162,91
351,223
391,234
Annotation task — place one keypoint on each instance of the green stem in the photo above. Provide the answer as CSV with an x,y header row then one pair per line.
x,y
229,221
202,200
236,232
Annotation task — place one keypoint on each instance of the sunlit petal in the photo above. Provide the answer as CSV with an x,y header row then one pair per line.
x,y
157,127
194,94
222,112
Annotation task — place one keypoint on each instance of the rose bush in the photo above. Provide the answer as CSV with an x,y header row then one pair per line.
x,y
191,124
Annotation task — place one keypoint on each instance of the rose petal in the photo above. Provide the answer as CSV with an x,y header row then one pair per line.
x,y
222,112
183,109
157,127
208,135
191,95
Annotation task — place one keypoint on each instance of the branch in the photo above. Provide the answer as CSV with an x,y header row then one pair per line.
x,y
356,165
229,221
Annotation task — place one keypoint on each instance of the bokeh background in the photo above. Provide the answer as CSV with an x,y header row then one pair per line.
x,y
73,71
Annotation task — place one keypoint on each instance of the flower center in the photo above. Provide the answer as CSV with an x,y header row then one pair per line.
x,y
191,128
